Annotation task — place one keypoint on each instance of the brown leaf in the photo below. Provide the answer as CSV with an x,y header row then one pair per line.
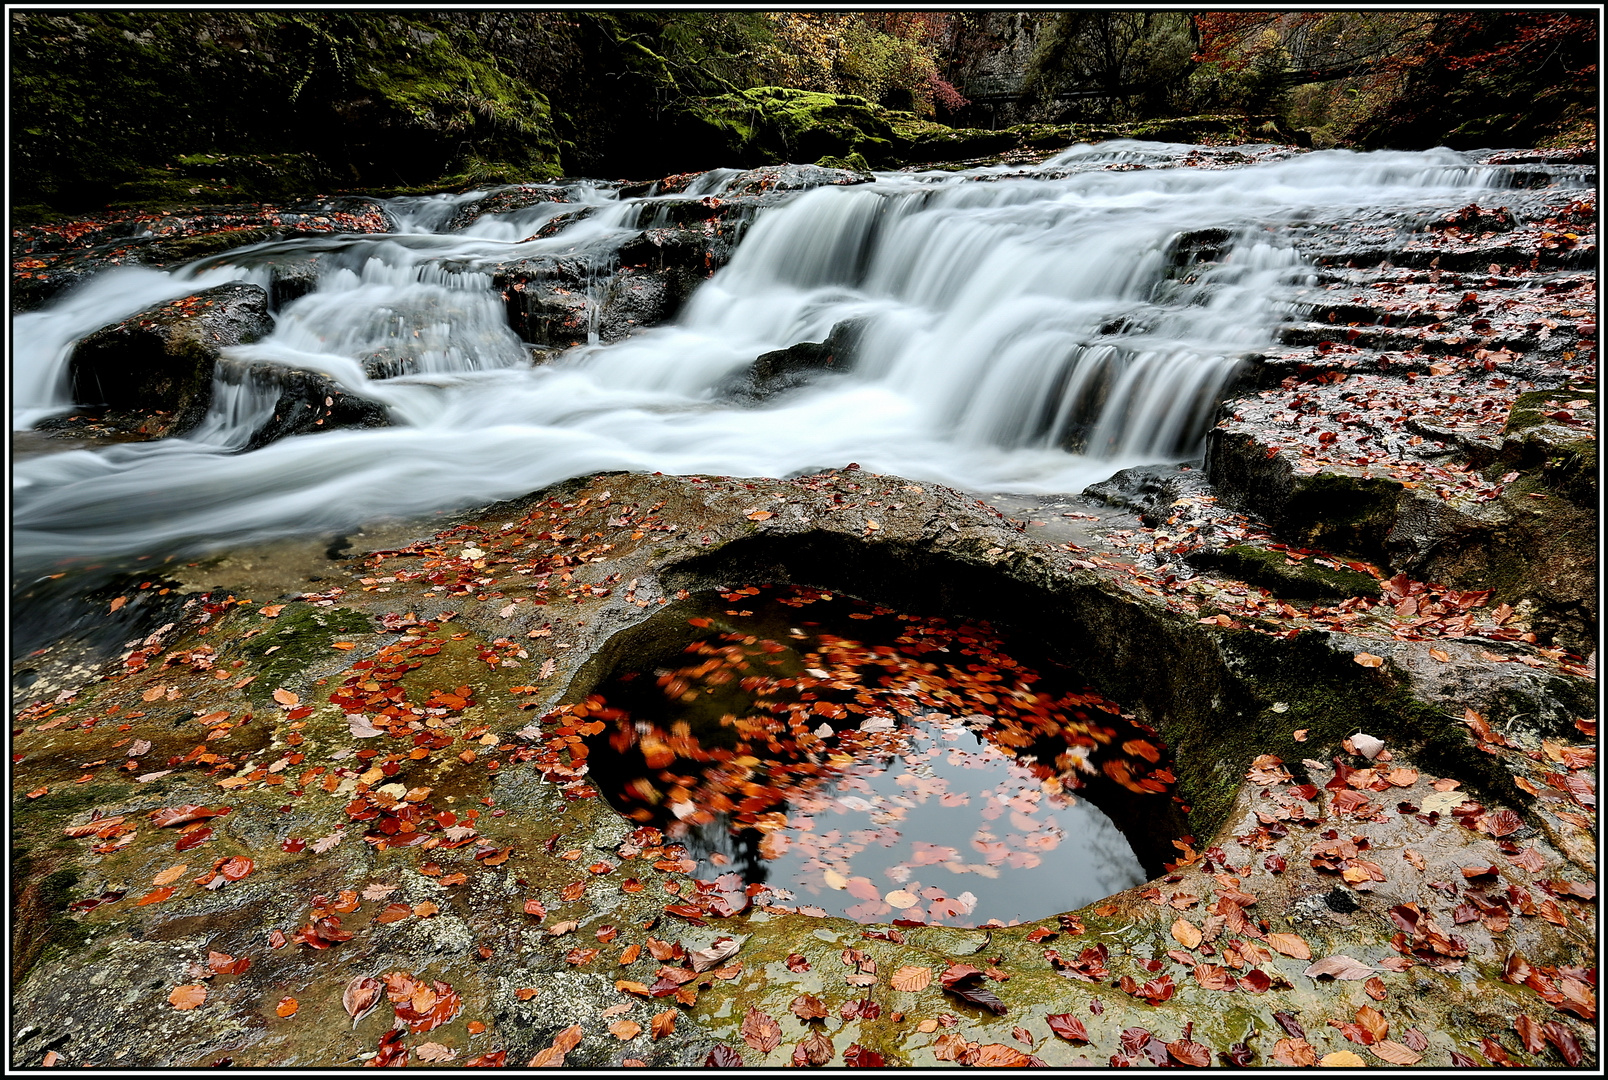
x,y
808,1007
1185,933
188,997
912,979
662,1024
625,1030
1341,967
1296,1053
1396,1054
1343,1059
285,697
1368,659
361,995
434,1051
1530,1033
1376,988
760,1031
1188,1052
999,1056
1291,945
1374,1023
1068,1027
816,1050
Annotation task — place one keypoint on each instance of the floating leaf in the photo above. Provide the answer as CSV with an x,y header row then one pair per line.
x,y
360,995
1395,1053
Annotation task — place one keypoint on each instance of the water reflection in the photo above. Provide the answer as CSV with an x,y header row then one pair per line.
x,y
880,765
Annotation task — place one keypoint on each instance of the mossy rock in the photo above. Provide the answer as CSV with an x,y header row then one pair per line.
x,y
1306,579
770,125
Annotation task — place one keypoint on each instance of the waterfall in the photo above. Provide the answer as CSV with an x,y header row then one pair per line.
x,y
1019,329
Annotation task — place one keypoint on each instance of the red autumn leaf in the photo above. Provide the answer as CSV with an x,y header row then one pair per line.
x,y
183,815
391,1052
1068,1027
723,1057
236,868
760,1031
193,839
858,1057
1188,1052
796,962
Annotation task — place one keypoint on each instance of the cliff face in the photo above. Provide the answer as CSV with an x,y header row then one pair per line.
x,y
990,67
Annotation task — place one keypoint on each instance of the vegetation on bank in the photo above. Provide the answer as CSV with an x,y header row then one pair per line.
x,y
143,108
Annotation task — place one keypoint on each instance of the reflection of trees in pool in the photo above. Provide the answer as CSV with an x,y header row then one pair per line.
x,y
761,711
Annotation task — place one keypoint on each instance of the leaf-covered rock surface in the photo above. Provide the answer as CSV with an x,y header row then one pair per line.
x,y
361,798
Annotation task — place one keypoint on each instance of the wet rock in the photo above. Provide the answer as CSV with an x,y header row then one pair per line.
x,y
793,178
796,365
47,259
1307,578
161,359
507,200
309,402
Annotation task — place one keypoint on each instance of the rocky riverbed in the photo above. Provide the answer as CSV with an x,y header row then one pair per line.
x,y
320,801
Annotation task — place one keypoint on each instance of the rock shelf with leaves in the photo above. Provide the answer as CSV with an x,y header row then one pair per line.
x,y
353,844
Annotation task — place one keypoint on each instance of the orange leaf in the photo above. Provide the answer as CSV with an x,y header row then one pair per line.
x,y
625,1030
912,979
662,1024
1292,945
1366,660
188,997
155,896
1185,933
285,697
287,1006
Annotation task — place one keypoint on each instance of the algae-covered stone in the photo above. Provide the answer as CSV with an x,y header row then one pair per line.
x,y
1311,577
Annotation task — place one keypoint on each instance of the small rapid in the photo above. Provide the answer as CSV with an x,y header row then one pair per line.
x,y
1028,330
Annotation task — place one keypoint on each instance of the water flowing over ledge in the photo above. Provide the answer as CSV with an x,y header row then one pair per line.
x,y
1028,330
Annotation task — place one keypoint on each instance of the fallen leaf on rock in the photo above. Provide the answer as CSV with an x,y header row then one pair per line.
x,y
1340,967
1368,660
625,1030
912,979
563,1043
808,1007
287,1006
188,997
662,1024
1342,1059
760,1031
817,1050
1068,1027
859,1057
1296,1053
720,1056
1291,945
1185,933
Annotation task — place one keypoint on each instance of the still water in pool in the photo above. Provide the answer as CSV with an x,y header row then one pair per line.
x,y
880,765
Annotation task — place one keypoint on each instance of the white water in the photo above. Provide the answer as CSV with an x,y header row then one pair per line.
x,y
989,348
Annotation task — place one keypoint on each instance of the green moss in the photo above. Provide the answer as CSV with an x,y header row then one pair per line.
x,y
1305,579
288,644
1529,410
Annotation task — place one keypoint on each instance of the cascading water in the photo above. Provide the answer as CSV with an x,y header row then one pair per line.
x,y
1018,330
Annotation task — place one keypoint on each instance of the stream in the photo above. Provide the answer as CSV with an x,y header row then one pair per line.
x,y
1020,329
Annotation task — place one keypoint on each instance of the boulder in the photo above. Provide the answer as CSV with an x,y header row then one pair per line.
x,y
162,358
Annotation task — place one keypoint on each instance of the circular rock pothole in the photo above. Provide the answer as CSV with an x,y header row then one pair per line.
x,y
809,748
